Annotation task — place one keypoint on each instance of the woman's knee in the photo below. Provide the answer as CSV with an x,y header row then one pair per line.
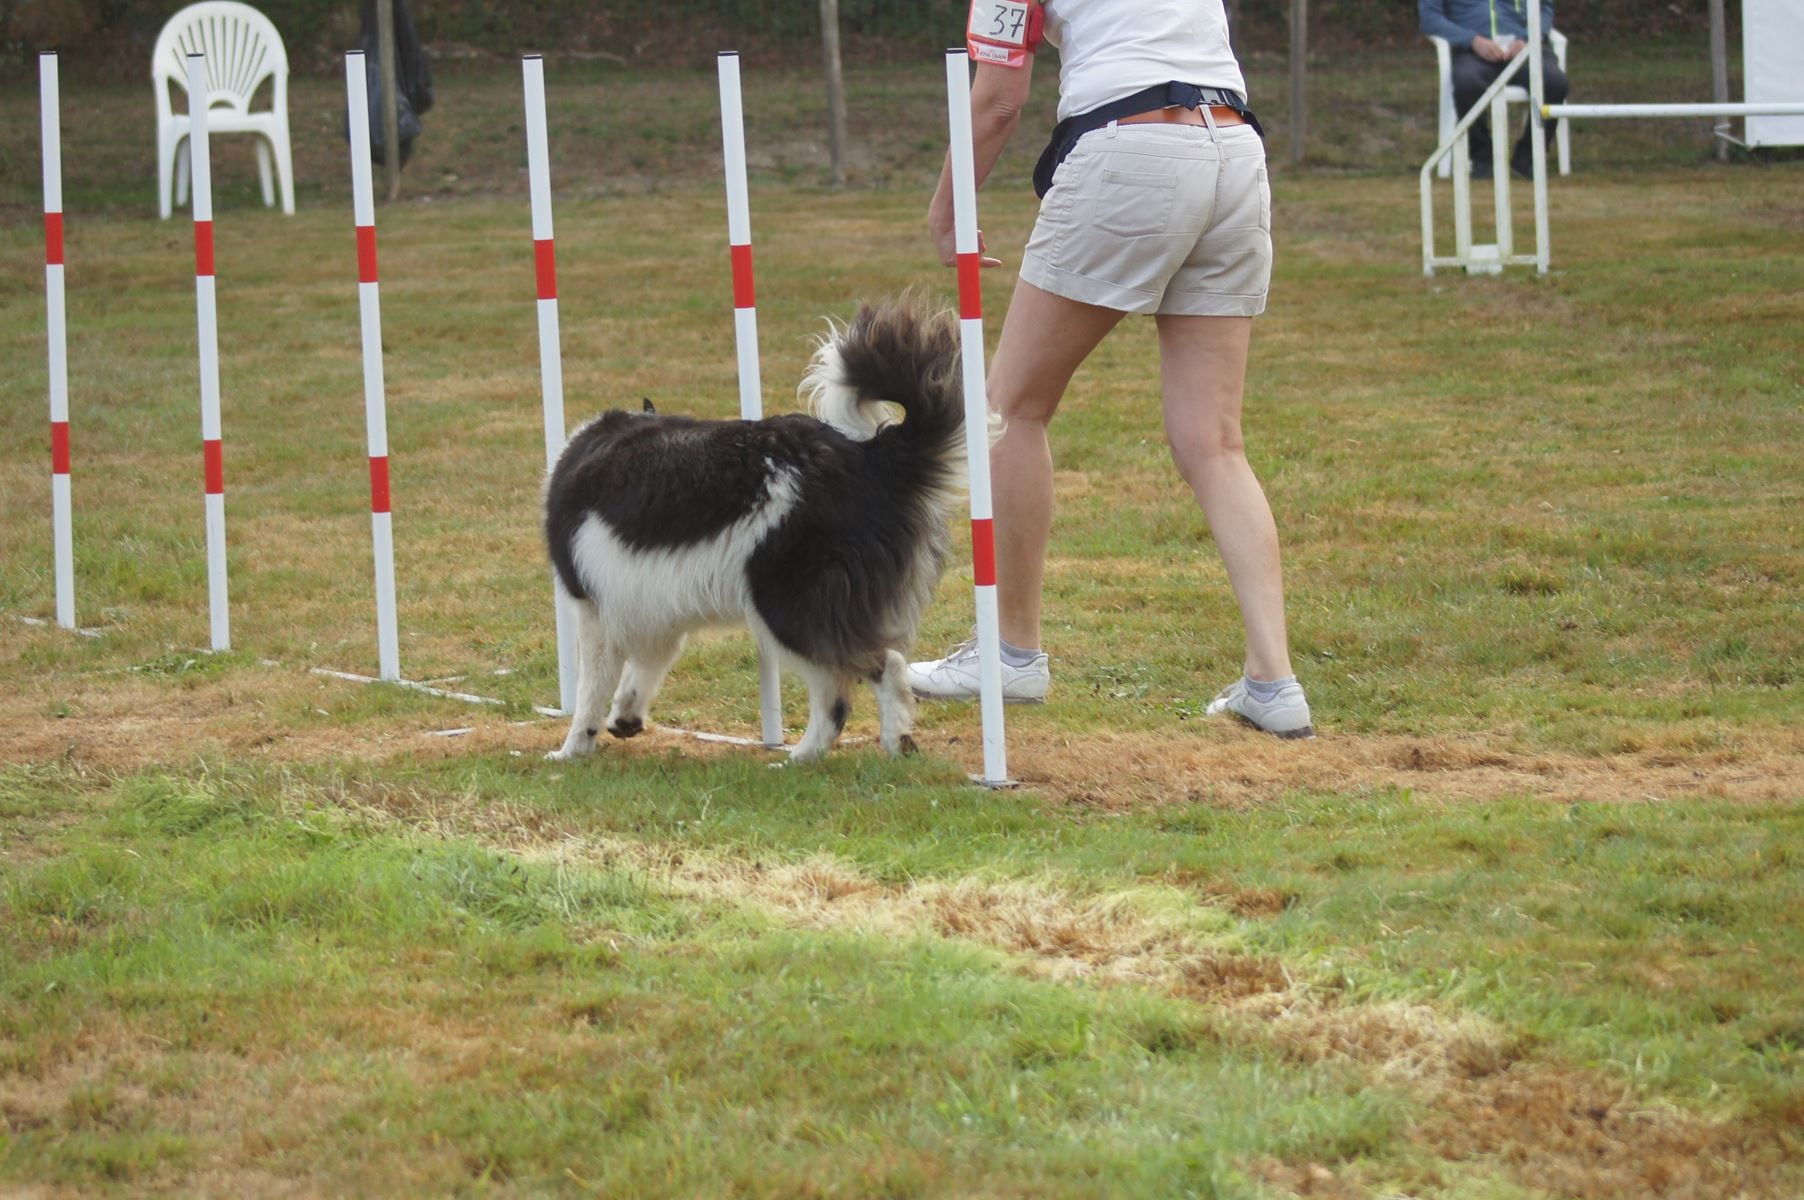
x,y
1021,406
1196,450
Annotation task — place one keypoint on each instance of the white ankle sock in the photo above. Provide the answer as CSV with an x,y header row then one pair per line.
x,y
1266,690
1015,656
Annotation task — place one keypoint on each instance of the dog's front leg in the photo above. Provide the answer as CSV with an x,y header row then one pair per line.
x,y
639,684
828,708
895,705
599,672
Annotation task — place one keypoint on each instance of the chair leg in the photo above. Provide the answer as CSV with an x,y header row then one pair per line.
x,y
269,192
181,172
165,178
285,172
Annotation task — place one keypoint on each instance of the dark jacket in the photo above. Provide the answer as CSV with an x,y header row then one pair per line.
x,y
1459,21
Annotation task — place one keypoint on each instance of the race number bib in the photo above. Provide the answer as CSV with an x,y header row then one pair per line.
x,y
1003,32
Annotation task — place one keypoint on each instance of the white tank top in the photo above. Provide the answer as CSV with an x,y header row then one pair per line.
x,y
1109,49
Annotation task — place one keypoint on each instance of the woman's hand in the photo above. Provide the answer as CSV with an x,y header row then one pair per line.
x,y
945,240
997,94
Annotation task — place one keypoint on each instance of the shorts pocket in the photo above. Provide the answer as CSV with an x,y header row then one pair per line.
x,y
1135,203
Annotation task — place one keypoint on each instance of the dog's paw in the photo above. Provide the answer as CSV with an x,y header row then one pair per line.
x,y
906,745
626,727
807,754
580,744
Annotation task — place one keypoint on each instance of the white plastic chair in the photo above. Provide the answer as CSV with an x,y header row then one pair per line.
x,y
243,49
1511,95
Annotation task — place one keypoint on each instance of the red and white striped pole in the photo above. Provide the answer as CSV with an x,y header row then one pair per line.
x,y
977,443
207,314
745,329
375,402
551,361
61,513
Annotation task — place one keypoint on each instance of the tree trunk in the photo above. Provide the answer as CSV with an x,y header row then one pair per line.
x,y
391,121
836,89
1719,74
1299,60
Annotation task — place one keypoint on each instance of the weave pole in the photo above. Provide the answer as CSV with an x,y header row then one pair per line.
x,y
745,330
62,520
207,317
551,360
375,401
977,443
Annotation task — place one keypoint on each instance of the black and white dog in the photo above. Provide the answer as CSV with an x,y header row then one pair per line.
x,y
825,535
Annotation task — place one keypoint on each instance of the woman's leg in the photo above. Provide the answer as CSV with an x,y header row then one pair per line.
x,y
1203,364
1044,339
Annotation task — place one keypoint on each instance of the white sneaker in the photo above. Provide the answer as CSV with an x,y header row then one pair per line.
x,y
1285,716
954,677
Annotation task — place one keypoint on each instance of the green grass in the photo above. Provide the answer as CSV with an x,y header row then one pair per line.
x,y
1520,924
461,1018
402,1003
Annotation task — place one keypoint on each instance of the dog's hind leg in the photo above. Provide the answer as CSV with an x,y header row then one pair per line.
x,y
895,705
829,704
645,671
599,670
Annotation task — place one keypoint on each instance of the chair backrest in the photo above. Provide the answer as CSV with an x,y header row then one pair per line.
x,y
242,48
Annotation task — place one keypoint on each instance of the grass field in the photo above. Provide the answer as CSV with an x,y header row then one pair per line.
x,y
1521,923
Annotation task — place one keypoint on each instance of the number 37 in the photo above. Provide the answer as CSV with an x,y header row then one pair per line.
x,y
1006,20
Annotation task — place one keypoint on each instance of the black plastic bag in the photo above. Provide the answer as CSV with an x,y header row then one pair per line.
x,y
407,121
413,73
413,80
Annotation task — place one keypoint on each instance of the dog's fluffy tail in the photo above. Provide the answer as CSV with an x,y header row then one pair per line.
x,y
894,356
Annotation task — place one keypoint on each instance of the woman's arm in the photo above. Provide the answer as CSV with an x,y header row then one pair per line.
x,y
997,97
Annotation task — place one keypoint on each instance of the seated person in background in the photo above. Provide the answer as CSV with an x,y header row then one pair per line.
x,y
1485,35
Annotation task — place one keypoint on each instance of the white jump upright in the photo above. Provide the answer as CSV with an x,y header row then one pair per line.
x,y
1537,104
375,402
977,443
212,453
745,328
551,361
56,323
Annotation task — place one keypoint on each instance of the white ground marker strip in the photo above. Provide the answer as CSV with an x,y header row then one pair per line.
x,y
40,621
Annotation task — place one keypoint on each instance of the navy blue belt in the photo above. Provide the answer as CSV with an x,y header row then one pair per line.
x,y
1162,95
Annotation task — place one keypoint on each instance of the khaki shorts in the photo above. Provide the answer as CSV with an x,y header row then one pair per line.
x,y
1170,219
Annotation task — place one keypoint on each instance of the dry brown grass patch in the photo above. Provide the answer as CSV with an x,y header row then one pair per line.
x,y
1394,1040
1575,1134
1229,765
125,721
1147,937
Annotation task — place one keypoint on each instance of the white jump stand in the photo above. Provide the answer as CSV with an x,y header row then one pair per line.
x,y
1485,258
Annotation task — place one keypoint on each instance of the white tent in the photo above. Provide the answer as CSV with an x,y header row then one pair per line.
x,y
1772,49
